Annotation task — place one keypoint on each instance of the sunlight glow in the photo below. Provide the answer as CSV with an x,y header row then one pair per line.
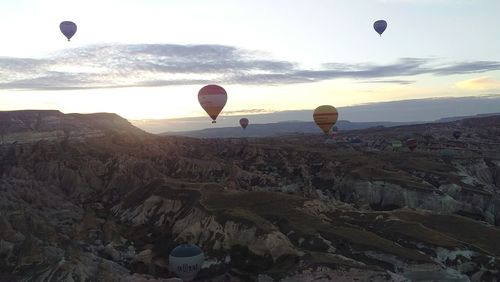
x,y
338,32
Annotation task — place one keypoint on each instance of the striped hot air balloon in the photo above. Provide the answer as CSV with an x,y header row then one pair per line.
x,y
325,117
411,144
212,99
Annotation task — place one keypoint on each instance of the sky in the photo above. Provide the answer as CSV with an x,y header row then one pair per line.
x,y
148,59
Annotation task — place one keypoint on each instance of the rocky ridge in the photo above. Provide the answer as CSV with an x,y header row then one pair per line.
x,y
109,206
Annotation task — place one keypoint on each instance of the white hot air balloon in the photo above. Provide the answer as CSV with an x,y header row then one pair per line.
x,y
186,261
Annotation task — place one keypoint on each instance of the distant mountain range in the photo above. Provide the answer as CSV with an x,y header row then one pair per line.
x,y
295,127
279,128
385,113
450,119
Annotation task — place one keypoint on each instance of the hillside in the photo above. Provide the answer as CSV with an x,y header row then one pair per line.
x,y
294,127
33,125
110,206
275,129
450,119
405,111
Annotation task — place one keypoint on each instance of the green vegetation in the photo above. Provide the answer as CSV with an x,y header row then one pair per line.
x,y
474,233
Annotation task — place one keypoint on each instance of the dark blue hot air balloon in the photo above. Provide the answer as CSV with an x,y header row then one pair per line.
x,y
380,26
244,123
457,134
356,141
186,261
68,28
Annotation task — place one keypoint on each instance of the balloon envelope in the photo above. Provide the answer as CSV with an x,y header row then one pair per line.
x,y
186,261
68,28
457,134
212,99
411,143
356,141
329,141
244,122
396,144
447,153
380,26
325,117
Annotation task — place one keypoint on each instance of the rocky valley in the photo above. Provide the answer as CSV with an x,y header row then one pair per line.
x,y
93,198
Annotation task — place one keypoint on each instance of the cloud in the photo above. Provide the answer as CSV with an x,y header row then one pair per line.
x,y
420,2
480,83
247,111
394,81
152,65
468,68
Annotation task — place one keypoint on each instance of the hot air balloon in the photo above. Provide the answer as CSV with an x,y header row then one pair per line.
x,y
335,132
356,141
68,29
396,145
457,134
380,26
411,144
428,138
447,153
212,99
244,123
329,141
325,117
186,260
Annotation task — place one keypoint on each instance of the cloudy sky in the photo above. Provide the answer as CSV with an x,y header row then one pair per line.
x,y
148,59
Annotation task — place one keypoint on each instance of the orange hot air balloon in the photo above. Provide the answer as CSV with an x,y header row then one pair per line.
x,y
212,99
325,117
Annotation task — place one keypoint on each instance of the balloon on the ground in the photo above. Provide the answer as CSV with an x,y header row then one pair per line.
x,y
186,261
396,145
356,141
68,28
244,122
329,141
325,117
212,99
335,132
411,144
380,26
